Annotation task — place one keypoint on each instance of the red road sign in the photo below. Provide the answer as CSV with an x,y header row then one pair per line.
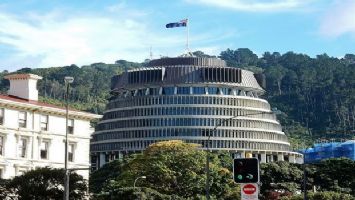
x,y
249,189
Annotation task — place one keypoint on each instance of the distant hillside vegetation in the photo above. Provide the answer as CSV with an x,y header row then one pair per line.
x,y
89,91
316,95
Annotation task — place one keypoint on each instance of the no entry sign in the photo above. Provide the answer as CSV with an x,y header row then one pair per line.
x,y
249,191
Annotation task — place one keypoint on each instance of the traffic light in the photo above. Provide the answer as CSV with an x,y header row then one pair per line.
x,y
246,170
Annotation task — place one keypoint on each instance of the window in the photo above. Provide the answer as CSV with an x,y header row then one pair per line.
x,y
44,122
168,90
1,145
71,152
70,126
1,116
213,90
153,91
22,148
141,92
44,149
183,90
22,119
198,90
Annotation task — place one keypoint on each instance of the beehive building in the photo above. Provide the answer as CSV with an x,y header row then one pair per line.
x,y
188,98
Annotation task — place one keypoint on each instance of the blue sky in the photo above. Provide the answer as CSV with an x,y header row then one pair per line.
x,y
42,33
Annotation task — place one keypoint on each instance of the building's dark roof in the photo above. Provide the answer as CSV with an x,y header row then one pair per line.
x,y
215,62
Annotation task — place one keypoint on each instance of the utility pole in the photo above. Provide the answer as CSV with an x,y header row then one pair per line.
x,y
67,81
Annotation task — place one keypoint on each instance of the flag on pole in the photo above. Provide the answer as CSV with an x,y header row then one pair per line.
x,y
182,23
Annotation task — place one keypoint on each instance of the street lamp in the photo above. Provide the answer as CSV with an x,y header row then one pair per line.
x,y
67,80
208,144
305,174
134,184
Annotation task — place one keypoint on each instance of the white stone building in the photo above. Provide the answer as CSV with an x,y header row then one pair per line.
x,y
32,133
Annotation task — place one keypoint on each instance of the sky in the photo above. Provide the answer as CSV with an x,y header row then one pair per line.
x,y
42,33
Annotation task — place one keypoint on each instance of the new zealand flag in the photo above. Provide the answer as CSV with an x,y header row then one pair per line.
x,y
182,23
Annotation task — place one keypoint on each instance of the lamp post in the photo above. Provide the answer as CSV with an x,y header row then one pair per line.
x,y
134,184
67,80
304,175
208,146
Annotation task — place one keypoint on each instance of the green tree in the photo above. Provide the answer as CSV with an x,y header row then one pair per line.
x,y
335,175
46,183
141,193
104,175
201,54
175,167
275,74
321,196
241,57
281,177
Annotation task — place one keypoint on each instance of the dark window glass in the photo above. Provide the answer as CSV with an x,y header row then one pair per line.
x,y
225,91
141,92
153,91
230,91
183,90
212,90
198,90
168,91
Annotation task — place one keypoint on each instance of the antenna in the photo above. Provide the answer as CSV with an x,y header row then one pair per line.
x,y
187,35
151,53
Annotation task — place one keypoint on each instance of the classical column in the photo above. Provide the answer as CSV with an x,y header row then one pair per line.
x,y
102,159
280,157
292,158
271,157
263,157
242,154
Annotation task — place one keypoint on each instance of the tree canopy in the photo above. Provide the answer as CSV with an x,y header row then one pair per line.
x,y
175,168
43,184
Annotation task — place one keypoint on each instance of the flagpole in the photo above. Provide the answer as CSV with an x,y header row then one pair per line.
x,y
187,36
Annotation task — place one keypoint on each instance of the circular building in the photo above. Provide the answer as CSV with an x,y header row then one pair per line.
x,y
189,98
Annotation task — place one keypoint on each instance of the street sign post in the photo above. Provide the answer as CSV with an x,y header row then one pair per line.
x,y
249,191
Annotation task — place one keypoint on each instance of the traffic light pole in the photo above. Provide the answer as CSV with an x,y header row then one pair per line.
x,y
304,181
207,187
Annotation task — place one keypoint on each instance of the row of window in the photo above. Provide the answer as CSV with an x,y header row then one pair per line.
x,y
23,147
209,100
221,144
22,121
155,111
185,74
158,122
187,91
181,132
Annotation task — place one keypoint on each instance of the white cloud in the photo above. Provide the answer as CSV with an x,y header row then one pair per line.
x,y
339,20
80,40
54,39
253,5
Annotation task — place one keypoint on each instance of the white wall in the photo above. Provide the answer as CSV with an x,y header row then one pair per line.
x,y
24,88
12,165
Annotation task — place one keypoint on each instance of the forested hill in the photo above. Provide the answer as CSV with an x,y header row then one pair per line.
x,y
89,91
316,95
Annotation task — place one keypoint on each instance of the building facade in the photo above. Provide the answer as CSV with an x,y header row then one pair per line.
x,y
189,98
32,134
